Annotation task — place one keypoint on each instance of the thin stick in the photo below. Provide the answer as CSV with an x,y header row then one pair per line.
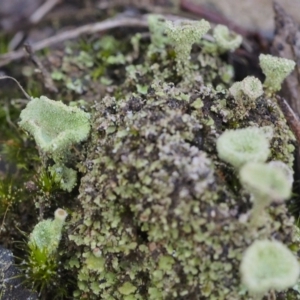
x,y
48,82
291,117
43,10
74,33
35,18
4,217
19,85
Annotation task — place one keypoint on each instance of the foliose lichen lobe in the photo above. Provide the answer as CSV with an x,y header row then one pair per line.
x,y
159,216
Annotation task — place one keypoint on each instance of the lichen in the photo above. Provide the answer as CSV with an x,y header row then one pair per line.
x,y
276,70
240,146
269,265
183,35
54,126
42,266
226,40
157,205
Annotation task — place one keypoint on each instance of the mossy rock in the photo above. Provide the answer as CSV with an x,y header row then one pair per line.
x,y
159,215
159,206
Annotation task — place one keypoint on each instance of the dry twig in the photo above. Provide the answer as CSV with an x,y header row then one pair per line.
x,y
290,116
35,18
43,10
48,82
19,85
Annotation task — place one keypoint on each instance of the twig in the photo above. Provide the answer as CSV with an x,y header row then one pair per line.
x,y
48,82
74,33
148,5
19,85
35,18
43,10
3,221
291,117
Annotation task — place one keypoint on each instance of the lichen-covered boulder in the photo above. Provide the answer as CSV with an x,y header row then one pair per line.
x,y
160,214
162,217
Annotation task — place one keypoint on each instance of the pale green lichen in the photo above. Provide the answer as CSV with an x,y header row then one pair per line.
x,y
127,288
266,182
268,265
159,215
46,234
42,265
287,171
240,146
152,182
276,70
226,40
250,87
66,177
54,126
157,28
183,35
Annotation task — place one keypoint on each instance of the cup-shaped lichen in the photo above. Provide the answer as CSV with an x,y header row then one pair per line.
x,y
226,40
240,146
46,234
183,35
54,125
265,182
42,264
276,70
289,173
250,87
268,265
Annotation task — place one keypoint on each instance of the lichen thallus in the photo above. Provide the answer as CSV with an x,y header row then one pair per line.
x,y
291,117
